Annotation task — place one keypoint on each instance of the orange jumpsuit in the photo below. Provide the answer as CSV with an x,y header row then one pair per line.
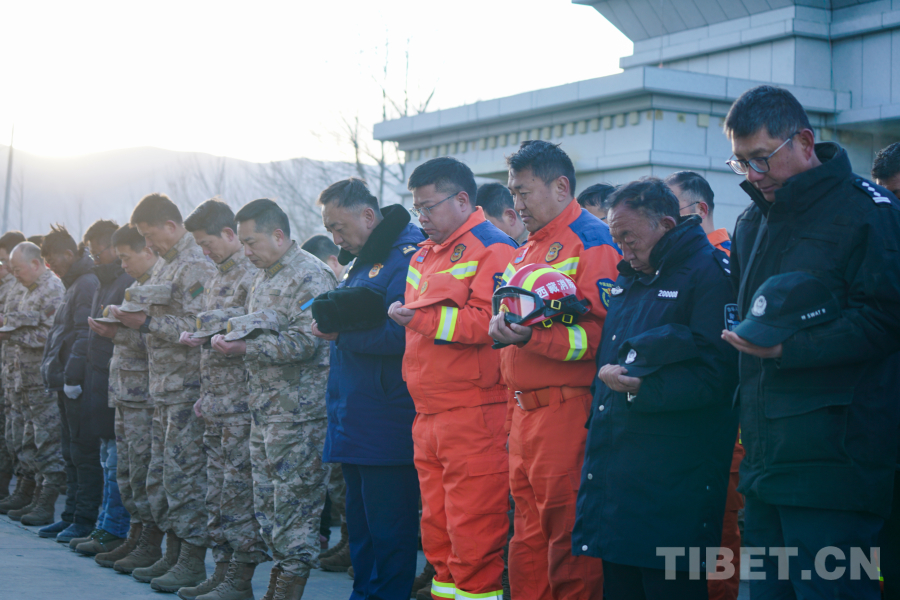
x,y
727,589
459,437
549,378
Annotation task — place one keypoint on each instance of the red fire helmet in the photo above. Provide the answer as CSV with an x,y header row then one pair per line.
x,y
538,293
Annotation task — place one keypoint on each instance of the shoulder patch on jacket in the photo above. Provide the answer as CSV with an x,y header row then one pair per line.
x,y
592,231
489,235
604,286
407,249
878,194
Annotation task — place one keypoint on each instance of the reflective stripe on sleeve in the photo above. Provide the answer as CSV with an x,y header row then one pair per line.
x,y
447,324
442,590
568,266
577,342
413,277
508,273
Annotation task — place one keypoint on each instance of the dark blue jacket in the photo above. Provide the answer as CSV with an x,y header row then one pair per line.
x,y
820,424
370,411
656,469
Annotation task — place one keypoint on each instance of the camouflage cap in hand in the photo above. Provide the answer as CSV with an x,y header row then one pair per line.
x,y
13,321
210,323
266,319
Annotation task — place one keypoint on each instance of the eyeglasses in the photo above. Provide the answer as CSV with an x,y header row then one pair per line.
x,y
96,255
418,211
689,205
760,165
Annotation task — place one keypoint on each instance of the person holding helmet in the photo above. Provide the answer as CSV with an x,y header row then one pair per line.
x,y
549,367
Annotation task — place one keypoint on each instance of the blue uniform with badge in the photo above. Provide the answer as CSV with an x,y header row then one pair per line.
x,y
656,464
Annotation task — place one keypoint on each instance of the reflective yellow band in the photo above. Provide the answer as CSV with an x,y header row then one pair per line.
x,y
413,277
528,284
508,273
498,595
568,266
447,325
577,342
463,270
442,590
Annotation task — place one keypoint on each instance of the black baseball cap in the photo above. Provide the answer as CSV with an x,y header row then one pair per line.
x,y
784,305
645,353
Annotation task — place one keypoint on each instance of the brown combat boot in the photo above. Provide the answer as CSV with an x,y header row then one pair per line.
x,y
20,497
338,562
237,585
289,587
345,539
43,511
188,571
17,514
273,580
108,559
218,576
162,566
102,541
423,579
146,553
5,478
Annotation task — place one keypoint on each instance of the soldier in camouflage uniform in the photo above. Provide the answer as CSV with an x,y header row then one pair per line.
x,y
8,285
288,372
176,482
234,533
25,330
129,392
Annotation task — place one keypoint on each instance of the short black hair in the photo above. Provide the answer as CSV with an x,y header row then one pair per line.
x,y
696,186
769,107
447,174
58,240
101,231
547,161
349,193
37,240
596,195
10,240
649,196
212,217
494,198
320,246
127,235
886,165
267,215
154,210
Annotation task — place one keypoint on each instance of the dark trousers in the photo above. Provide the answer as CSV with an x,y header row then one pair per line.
x,y
809,531
383,523
889,542
84,473
625,582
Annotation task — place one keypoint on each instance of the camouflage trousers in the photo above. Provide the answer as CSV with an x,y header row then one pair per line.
x,y
14,433
337,492
42,437
133,441
289,484
233,530
176,479
7,459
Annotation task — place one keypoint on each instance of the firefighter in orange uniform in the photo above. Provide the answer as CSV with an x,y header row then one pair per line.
x,y
695,197
453,376
549,371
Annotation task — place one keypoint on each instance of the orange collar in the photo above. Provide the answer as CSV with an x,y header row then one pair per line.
x,y
554,227
476,218
718,236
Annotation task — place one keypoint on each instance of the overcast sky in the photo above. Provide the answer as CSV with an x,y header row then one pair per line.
x,y
268,80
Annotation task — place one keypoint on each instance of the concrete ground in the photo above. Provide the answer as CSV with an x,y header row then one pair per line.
x,y
35,568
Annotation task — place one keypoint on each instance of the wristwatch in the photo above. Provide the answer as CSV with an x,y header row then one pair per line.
x,y
145,328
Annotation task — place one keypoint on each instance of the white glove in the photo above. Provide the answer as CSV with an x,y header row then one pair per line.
x,y
72,391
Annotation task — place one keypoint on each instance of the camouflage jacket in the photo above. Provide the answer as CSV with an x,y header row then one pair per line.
x,y
38,305
223,378
174,367
289,370
10,290
129,376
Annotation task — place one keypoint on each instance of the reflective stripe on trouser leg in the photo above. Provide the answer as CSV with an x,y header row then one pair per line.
x,y
442,590
461,595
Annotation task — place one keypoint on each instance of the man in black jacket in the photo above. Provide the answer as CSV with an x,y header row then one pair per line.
x,y
97,413
819,412
63,371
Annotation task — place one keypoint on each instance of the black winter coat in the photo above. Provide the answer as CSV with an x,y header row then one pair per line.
x,y
66,347
99,416
820,424
656,468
